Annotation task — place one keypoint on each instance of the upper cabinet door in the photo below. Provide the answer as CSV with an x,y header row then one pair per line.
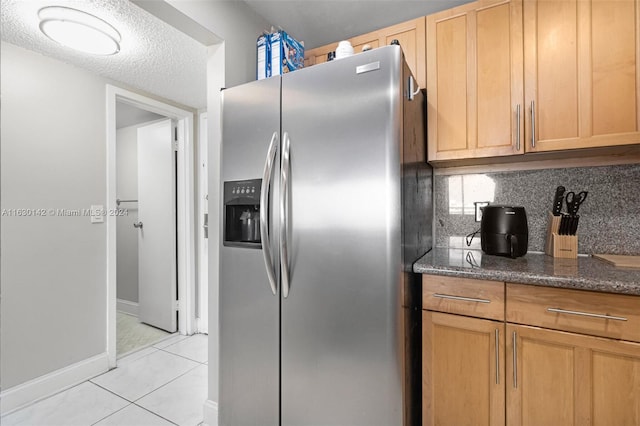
x,y
475,81
581,71
410,34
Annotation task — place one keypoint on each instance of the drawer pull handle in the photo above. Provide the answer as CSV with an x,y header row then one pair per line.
x,y
515,360
497,356
586,314
518,128
466,299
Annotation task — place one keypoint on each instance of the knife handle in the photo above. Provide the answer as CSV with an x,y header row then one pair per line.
x,y
557,200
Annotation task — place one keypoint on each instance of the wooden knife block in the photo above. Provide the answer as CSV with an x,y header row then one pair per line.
x,y
564,246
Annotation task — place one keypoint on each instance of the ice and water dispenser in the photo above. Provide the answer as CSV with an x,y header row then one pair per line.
x,y
242,213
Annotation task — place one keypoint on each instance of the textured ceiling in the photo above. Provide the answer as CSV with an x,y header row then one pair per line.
x,y
319,22
154,56
159,59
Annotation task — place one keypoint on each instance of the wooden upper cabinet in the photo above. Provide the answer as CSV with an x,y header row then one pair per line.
x,y
410,34
361,41
581,61
475,81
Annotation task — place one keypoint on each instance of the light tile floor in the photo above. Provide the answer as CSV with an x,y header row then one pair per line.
x,y
165,384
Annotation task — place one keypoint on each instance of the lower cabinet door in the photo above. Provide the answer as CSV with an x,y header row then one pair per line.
x,y
558,378
463,370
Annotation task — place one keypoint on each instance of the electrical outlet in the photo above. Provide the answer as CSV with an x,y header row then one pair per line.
x,y
479,205
97,214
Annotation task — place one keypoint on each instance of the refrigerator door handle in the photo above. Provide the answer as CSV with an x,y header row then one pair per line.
x,y
264,203
285,176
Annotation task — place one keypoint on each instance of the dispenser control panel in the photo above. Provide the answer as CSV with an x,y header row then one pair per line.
x,y
242,213
246,190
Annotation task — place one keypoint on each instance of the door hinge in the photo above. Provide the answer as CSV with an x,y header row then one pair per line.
x,y
175,137
177,305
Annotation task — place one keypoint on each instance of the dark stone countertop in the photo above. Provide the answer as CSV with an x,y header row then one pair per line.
x,y
584,273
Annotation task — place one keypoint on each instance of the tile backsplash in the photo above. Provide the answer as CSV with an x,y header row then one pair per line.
x,y
609,218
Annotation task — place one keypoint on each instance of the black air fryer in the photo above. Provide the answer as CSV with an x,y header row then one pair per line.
x,y
504,231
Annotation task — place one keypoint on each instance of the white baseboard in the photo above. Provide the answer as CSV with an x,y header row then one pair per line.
x,y
54,382
210,413
128,307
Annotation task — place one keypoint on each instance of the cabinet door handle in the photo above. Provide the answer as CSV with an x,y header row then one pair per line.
x,y
515,360
533,124
586,314
518,128
465,299
497,356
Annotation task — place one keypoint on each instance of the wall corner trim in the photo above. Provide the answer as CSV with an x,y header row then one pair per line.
x,y
210,413
52,383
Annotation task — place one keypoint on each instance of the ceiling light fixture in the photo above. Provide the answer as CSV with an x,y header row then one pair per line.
x,y
79,30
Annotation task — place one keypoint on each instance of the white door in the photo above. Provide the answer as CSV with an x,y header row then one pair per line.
x,y
157,291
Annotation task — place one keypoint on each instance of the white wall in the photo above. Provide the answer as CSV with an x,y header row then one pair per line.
x,y
235,23
126,234
52,269
231,63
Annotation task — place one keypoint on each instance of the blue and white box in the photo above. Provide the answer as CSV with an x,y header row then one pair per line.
x,y
287,53
263,57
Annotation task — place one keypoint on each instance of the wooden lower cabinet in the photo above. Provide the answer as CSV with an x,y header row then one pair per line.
x,y
480,371
570,379
463,370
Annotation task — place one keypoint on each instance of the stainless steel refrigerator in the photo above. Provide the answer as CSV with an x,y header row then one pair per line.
x,y
327,203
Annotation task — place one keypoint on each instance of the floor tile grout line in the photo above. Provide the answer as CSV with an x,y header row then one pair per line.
x,y
129,402
153,412
45,398
114,393
161,386
139,406
134,402
183,356
133,360
135,351
184,337
117,411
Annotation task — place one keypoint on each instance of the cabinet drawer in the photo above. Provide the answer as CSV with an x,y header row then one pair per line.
x,y
599,314
475,298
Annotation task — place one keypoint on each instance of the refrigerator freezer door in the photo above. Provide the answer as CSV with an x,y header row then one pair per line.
x,y
341,339
249,311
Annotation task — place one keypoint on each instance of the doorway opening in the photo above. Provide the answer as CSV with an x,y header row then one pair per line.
x,y
141,318
157,213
